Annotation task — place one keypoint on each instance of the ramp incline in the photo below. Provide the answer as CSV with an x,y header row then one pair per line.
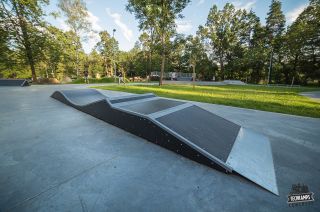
x,y
183,128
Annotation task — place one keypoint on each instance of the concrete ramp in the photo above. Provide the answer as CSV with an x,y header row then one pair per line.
x,y
185,129
14,82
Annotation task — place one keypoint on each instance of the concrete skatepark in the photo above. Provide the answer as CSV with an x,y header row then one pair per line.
x,y
54,157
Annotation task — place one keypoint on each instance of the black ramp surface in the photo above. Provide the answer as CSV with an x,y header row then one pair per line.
x,y
83,96
152,106
131,98
14,82
208,131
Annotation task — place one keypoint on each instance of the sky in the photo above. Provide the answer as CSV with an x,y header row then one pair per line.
x,y
111,14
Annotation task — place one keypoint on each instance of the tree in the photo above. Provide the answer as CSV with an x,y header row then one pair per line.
x,y
256,54
94,61
77,18
6,54
109,49
160,16
247,59
177,54
193,51
303,44
22,20
222,33
275,23
145,46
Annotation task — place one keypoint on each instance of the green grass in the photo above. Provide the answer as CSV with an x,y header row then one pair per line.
x,y
93,80
274,99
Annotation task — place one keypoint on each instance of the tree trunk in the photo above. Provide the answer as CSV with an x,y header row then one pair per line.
x,y
286,74
222,68
162,67
163,59
146,61
23,25
194,75
105,66
270,67
151,45
77,62
163,3
150,62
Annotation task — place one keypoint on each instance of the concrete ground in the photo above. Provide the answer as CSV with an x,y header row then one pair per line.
x,y
55,158
313,94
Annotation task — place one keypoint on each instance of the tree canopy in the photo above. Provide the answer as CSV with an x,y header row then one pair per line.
x,y
231,44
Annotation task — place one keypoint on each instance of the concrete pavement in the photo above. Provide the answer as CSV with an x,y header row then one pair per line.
x,y
55,158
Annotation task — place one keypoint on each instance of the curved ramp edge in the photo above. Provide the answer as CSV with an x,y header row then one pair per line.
x,y
79,97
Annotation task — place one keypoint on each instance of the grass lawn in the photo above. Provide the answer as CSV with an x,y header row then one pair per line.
x,y
93,80
274,99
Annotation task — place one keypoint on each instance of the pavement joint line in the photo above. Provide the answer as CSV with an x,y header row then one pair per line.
x,y
62,182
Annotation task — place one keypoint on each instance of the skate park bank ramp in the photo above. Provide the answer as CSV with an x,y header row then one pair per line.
x,y
184,128
14,82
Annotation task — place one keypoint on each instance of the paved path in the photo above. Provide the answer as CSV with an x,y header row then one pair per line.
x,y
55,158
313,94
227,82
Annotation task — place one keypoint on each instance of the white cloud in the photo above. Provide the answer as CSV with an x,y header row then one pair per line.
x,y
63,25
183,26
293,15
247,5
89,39
94,22
92,37
89,1
127,33
200,2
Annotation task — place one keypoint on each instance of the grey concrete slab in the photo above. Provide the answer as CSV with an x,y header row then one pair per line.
x,y
56,158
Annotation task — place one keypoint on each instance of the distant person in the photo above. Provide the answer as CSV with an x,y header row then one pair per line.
x,y
86,74
120,77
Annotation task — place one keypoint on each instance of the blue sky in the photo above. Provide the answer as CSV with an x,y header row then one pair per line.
x,y
111,14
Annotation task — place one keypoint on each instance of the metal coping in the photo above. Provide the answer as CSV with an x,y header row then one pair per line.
x,y
169,110
130,98
152,106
